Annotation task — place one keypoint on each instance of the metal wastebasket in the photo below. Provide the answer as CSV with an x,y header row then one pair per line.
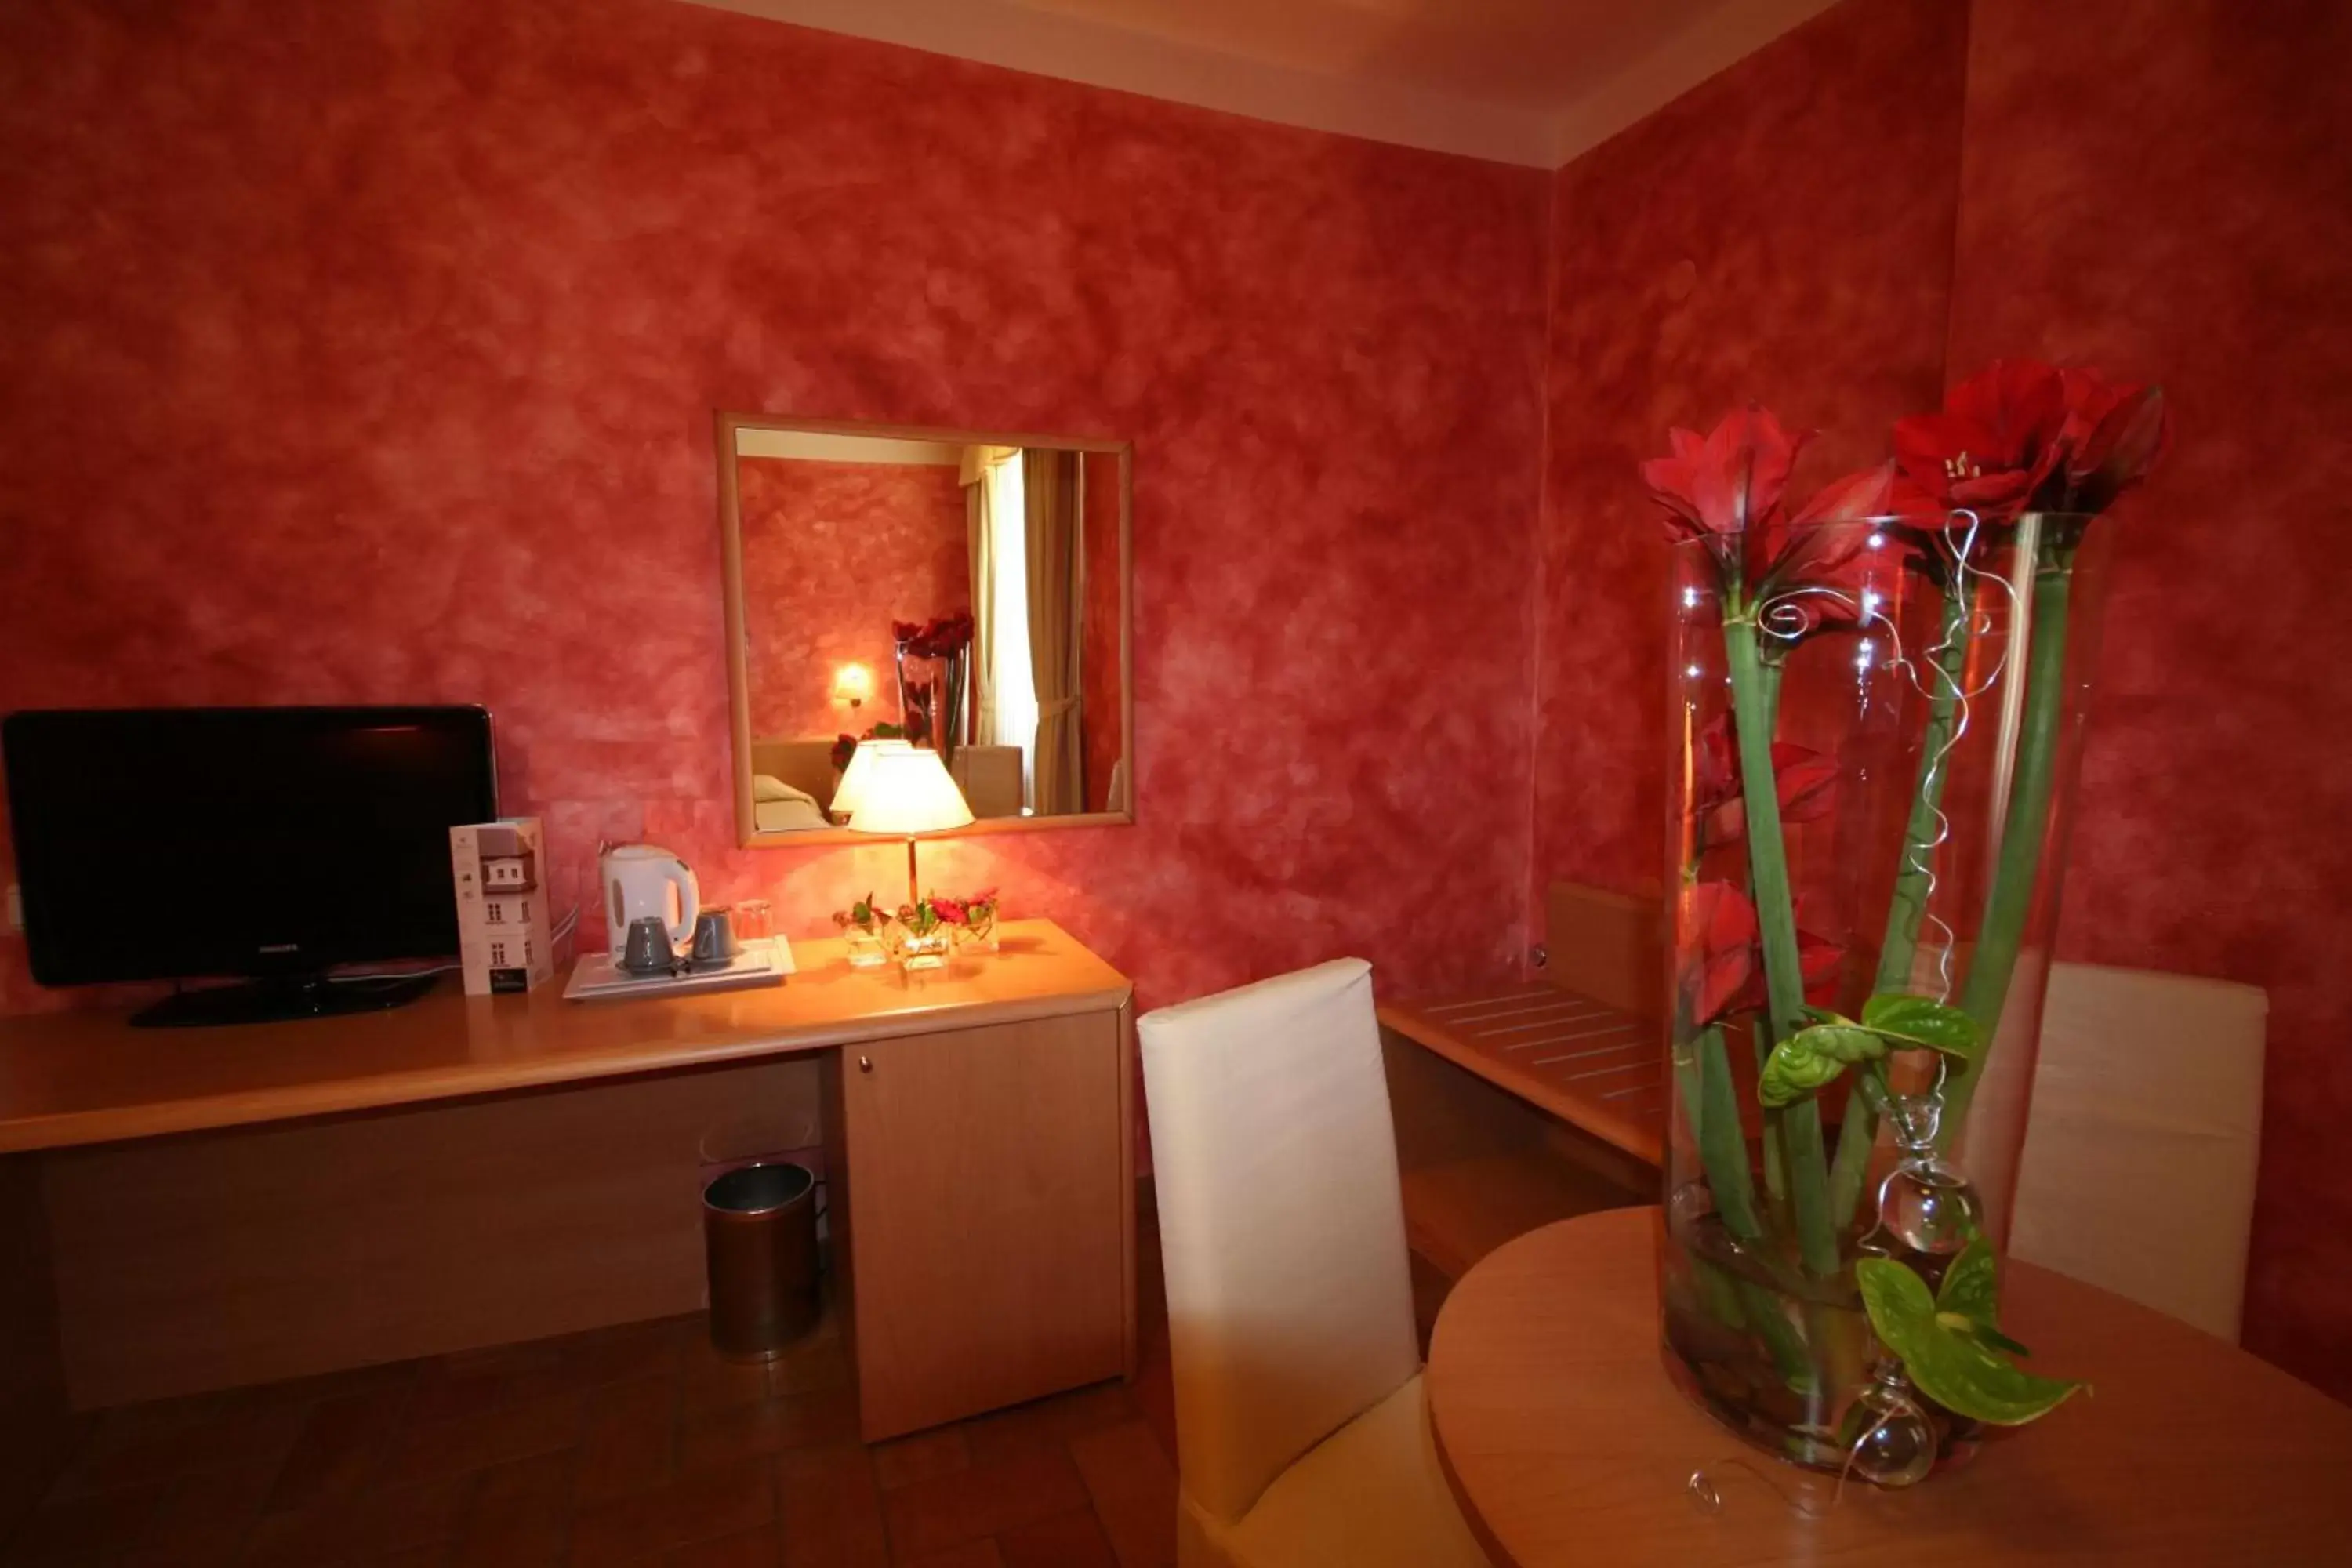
x,y
759,1237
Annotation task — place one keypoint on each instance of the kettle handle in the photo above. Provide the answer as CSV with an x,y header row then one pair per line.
x,y
690,897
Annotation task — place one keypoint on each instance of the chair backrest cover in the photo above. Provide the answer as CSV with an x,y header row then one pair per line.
x,y
1281,1223
2146,1127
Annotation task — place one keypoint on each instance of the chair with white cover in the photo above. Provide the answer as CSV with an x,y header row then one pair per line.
x,y
2146,1130
1302,1434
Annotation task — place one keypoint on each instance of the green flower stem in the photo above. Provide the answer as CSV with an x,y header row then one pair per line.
x,y
1775,1159
1715,1124
1713,1106
2022,831
1766,1315
1858,1130
1784,981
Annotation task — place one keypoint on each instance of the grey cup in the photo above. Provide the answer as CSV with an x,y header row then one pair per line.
x,y
649,950
714,939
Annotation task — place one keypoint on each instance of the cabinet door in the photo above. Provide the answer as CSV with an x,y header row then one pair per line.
x,y
987,1220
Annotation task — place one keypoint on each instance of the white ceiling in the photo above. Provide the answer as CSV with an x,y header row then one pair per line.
x,y
1520,81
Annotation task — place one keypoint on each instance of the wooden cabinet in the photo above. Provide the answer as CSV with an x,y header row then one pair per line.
x,y
987,1213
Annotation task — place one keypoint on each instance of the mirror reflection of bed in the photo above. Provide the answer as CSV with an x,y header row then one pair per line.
x,y
956,591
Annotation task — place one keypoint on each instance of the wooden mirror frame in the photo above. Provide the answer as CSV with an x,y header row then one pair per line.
x,y
748,832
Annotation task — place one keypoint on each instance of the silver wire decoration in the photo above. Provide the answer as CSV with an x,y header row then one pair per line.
x,y
1784,615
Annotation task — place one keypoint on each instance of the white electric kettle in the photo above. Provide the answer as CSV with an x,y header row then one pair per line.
x,y
637,880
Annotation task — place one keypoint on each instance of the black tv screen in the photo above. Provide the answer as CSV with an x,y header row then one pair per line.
x,y
165,844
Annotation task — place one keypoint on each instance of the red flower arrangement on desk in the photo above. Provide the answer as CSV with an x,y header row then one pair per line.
x,y
973,919
2021,439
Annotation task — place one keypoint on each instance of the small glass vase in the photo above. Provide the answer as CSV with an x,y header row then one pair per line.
x,y
928,950
1922,716
978,934
867,950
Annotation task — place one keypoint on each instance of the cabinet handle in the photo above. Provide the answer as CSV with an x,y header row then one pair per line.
x,y
865,1064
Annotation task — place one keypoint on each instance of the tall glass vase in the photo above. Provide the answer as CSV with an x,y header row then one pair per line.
x,y
933,692
1871,771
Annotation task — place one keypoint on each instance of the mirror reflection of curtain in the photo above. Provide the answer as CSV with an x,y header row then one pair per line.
x,y
974,479
1011,689
1050,485
978,501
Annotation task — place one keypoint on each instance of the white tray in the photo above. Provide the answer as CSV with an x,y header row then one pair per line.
x,y
597,978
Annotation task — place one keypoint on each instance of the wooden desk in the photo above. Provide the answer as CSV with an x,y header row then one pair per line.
x,y
85,1078
1566,1444
234,1206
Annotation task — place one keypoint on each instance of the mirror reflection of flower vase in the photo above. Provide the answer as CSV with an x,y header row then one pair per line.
x,y
934,669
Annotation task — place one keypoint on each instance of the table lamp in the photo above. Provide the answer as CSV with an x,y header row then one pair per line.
x,y
854,776
907,792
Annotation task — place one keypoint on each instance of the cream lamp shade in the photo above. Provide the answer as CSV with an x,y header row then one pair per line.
x,y
907,792
860,769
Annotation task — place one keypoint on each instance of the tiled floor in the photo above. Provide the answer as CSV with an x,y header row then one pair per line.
x,y
633,1445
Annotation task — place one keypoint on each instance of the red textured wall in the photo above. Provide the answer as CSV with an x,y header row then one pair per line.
x,y
833,554
2175,201
1101,722
1782,233
369,350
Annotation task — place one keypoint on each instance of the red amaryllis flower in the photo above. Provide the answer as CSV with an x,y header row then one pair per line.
x,y
1819,960
1817,566
1727,488
1726,481
2000,435
941,636
1719,968
2114,435
1718,951
951,634
1804,779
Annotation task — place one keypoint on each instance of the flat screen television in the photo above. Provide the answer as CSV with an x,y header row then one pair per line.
x,y
268,844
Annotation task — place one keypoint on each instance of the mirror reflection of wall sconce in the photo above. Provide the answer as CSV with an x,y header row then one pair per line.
x,y
852,685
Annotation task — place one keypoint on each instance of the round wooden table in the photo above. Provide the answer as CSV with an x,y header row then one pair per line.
x,y
1566,1444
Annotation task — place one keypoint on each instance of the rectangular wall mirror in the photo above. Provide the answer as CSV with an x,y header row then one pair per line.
x,y
962,590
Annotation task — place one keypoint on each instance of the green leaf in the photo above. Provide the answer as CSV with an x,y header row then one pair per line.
x,y
1972,1285
1811,1059
1922,1023
1983,1333
1968,1301
1956,1370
